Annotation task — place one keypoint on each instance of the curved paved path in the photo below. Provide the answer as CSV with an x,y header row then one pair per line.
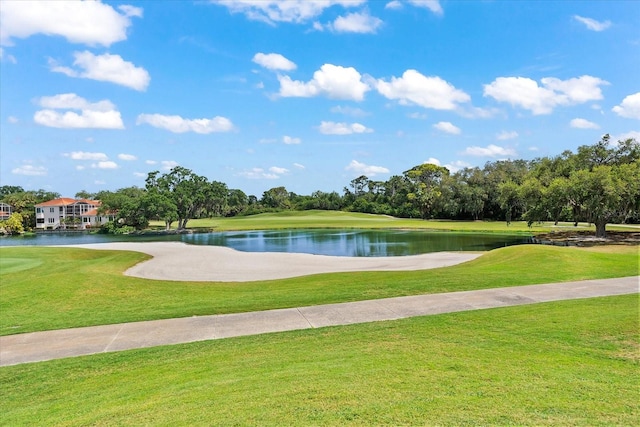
x,y
40,346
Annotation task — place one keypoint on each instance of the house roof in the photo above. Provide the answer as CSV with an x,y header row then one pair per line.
x,y
65,201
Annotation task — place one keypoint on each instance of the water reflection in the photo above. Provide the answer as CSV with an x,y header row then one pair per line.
x,y
361,243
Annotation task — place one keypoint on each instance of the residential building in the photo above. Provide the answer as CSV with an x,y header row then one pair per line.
x,y
70,214
5,211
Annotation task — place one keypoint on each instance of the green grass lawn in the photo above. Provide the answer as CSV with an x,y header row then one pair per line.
x,y
339,219
44,288
563,363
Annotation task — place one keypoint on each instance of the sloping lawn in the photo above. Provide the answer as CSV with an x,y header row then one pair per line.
x,y
563,363
44,288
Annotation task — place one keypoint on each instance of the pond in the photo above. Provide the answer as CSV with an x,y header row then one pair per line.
x,y
359,243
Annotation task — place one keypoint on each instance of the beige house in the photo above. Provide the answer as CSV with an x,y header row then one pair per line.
x,y
70,214
5,211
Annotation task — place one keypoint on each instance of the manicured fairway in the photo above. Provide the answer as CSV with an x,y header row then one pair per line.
x,y
565,363
79,287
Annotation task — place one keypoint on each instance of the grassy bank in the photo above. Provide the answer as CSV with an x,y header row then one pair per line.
x,y
339,219
44,288
564,363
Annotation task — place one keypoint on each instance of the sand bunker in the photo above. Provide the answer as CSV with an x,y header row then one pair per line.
x,y
181,262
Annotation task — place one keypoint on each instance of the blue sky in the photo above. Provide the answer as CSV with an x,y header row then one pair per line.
x,y
305,94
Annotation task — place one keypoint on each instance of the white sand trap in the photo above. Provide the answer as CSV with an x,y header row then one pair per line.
x,y
182,262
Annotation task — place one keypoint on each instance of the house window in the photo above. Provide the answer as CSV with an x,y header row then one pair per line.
x,y
52,209
39,210
40,221
51,220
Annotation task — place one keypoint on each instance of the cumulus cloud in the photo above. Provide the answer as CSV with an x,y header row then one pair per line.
x,y
489,151
333,128
634,134
359,168
108,164
330,80
291,140
453,167
526,93
292,11
273,61
84,155
258,173
278,170
30,170
127,157
12,59
432,5
168,164
506,135
394,4
583,124
86,22
448,127
349,111
106,68
592,24
630,107
414,88
93,115
177,124
357,22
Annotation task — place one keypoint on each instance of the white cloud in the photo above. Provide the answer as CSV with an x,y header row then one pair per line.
x,y
150,162
131,10
98,115
278,170
525,93
453,167
489,151
630,107
169,164
418,116
87,22
506,135
592,24
80,167
349,111
583,124
84,155
298,165
12,59
394,4
12,119
357,22
293,11
100,182
290,140
330,80
140,174
362,169
177,124
105,165
127,157
414,88
106,68
273,61
258,173
432,5
447,127
333,128
634,134
30,170
71,101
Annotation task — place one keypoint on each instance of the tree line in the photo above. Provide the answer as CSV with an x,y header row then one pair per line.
x,y
598,183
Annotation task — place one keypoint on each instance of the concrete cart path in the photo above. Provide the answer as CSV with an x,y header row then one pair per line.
x,y
40,346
